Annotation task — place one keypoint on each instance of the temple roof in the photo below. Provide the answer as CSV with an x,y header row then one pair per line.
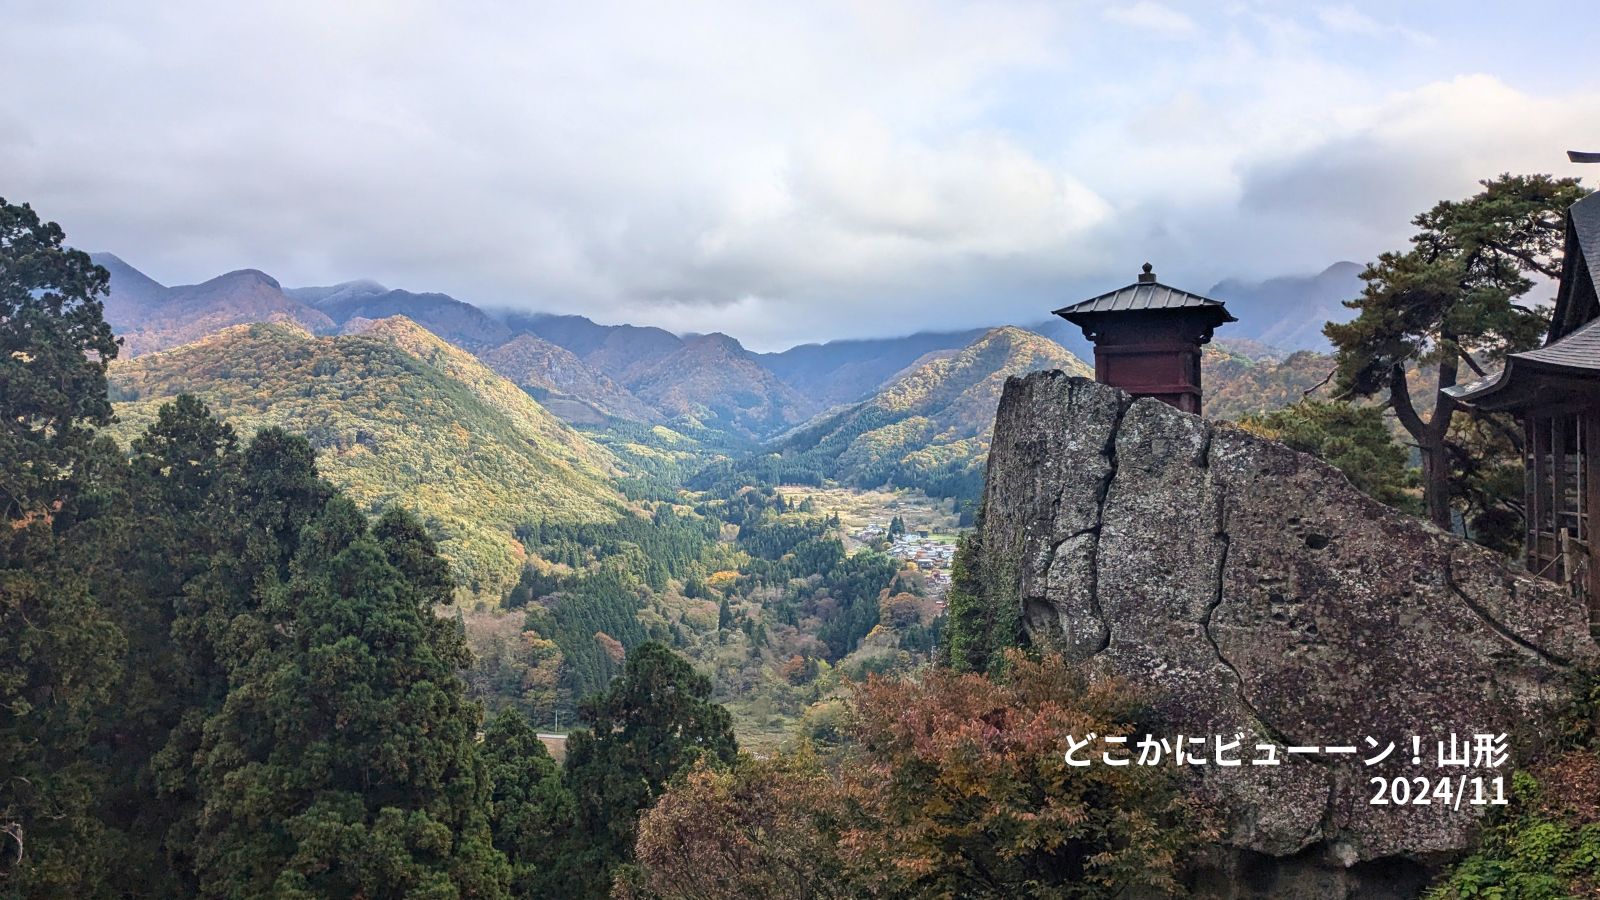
x,y
1569,362
1528,378
1580,272
1144,294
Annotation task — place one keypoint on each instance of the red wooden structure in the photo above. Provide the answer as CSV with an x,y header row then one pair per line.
x,y
1147,338
1555,391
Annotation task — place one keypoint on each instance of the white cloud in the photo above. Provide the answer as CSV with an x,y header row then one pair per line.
x,y
1346,19
783,172
1147,15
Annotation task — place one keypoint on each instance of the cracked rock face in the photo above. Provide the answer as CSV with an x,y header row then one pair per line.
x,y
1259,593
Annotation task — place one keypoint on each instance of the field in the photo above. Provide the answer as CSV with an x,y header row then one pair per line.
x,y
858,508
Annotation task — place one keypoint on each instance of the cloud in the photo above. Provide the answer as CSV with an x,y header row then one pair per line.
x,y
785,172
1346,19
1149,16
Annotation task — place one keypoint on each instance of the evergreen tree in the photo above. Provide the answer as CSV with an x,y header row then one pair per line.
x,y
655,720
54,349
1356,439
1450,302
182,469
60,649
530,810
342,761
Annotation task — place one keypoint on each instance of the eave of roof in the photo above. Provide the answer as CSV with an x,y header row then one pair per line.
x,y
1144,296
1576,355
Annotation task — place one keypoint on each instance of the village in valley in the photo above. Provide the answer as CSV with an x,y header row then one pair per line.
x,y
932,553
908,525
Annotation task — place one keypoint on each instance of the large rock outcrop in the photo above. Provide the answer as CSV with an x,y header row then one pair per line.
x,y
1257,591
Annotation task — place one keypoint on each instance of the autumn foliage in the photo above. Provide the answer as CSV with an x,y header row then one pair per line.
x,y
954,785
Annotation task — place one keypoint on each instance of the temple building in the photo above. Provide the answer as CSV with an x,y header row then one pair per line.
x,y
1147,338
1555,392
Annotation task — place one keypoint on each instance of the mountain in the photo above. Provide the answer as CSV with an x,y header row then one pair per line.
x,y
565,384
150,316
848,370
927,428
1237,385
714,382
1290,312
397,415
456,321
620,351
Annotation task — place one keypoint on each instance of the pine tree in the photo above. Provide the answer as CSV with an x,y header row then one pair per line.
x,y
1449,302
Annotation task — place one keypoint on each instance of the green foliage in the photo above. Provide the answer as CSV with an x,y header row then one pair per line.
x,y
530,810
342,759
655,721
61,650
977,630
399,418
1356,439
1449,302
1528,855
54,349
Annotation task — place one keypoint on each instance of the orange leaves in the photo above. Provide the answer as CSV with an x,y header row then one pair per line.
x,y
955,785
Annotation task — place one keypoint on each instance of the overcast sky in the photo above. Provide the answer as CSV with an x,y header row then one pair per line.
x,y
783,172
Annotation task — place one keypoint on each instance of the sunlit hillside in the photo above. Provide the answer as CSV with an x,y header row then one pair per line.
x,y
397,416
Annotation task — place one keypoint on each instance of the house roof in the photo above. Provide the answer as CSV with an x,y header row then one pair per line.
x,y
1144,294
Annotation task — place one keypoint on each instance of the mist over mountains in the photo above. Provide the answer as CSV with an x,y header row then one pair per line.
x,y
591,374
460,408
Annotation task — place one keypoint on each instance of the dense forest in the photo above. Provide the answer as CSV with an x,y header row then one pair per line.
x,y
224,673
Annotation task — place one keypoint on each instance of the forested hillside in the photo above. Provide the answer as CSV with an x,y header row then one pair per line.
x,y
565,384
1237,385
927,428
399,417
712,382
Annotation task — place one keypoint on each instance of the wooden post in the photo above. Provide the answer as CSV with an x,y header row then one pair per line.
x,y
1590,421
1530,494
1543,519
1558,468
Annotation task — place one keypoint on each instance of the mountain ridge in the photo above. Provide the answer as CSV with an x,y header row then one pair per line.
x,y
398,416
589,373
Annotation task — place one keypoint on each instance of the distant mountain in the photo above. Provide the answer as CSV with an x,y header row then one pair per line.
x,y
713,382
565,384
1238,385
927,428
456,321
620,351
590,373
150,316
398,415
1289,312
848,370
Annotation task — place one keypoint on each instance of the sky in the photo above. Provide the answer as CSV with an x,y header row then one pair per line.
x,y
782,172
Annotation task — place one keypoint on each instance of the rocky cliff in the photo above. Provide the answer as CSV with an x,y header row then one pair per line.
x,y
1259,593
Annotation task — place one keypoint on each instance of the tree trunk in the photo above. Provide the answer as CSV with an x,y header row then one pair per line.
x,y
1430,438
1436,483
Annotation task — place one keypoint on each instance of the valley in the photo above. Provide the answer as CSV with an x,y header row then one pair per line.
x,y
787,521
